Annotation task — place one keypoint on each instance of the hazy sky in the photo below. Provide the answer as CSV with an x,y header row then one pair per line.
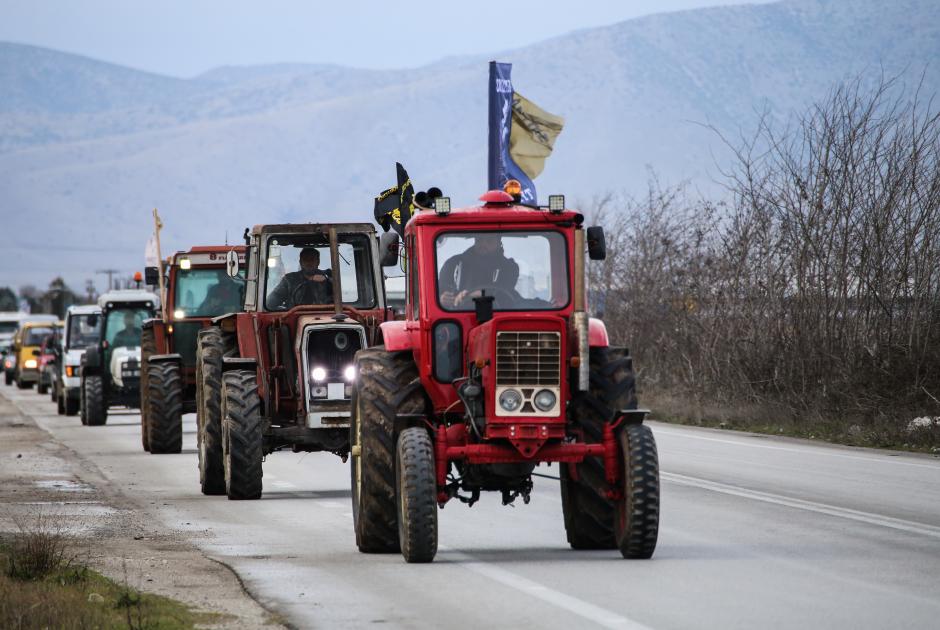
x,y
186,37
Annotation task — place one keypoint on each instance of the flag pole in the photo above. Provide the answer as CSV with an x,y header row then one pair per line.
x,y
158,225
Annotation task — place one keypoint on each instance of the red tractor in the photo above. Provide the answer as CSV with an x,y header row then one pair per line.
x,y
279,374
497,368
198,288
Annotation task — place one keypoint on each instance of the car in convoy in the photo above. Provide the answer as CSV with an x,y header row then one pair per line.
x,y
197,288
48,356
26,348
81,331
110,369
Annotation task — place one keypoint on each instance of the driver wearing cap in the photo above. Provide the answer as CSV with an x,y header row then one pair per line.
x,y
482,267
310,285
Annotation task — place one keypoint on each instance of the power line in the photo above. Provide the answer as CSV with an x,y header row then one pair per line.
x,y
110,273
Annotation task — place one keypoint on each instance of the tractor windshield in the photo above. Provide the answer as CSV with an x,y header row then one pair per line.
x,y
83,331
207,293
123,326
521,270
299,271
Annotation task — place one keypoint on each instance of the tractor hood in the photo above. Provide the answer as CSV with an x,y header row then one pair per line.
x,y
124,362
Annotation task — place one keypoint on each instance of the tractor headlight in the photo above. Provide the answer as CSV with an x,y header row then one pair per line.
x,y
30,364
350,373
179,314
544,400
510,400
318,374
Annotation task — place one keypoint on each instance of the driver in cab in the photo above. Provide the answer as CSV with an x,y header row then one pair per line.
x,y
482,267
309,285
129,337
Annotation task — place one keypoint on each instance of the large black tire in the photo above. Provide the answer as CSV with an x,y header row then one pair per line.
x,y
636,523
148,346
416,494
60,404
53,392
210,348
165,408
7,377
387,384
242,439
94,409
41,388
588,513
71,405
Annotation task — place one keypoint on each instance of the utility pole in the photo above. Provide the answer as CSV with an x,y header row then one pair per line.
x,y
110,273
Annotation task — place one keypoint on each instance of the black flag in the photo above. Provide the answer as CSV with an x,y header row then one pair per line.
x,y
393,207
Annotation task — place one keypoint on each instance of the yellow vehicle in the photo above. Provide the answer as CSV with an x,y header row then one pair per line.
x,y
26,344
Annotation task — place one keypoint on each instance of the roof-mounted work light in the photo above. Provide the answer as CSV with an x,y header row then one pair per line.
x,y
185,263
442,206
556,204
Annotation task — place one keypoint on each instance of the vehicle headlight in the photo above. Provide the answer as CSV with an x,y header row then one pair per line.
x,y
544,400
30,364
350,373
179,314
318,374
510,400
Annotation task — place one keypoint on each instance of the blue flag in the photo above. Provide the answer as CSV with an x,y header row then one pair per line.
x,y
501,165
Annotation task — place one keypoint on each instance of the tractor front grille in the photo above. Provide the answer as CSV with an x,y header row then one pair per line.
x,y
528,358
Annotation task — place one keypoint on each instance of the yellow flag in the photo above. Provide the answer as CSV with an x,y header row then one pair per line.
x,y
533,134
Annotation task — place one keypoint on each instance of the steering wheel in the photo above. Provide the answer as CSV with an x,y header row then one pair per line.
x,y
496,292
303,288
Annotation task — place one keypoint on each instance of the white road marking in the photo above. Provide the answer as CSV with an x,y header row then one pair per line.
x,y
816,450
586,610
283,484
810,506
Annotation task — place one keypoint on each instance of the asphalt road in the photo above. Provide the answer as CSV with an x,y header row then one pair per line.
x,y
756,532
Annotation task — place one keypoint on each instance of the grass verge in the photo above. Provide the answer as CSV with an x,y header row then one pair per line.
x,y
871,432
42,585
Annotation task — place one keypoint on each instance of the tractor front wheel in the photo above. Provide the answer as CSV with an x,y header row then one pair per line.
x,y
148,346
416,494
94,410
387,384
210,348
165,408
242,438
636,515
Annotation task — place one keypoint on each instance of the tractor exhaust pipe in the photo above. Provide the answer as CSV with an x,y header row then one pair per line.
x,y
579,323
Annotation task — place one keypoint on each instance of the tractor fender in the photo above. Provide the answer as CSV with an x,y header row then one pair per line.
x,y
396,335
164,358
597,334
238,363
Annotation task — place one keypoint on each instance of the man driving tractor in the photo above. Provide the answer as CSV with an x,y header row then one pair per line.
x,y
482,267
309,285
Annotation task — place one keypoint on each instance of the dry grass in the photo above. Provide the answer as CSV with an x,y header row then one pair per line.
x,y
44,586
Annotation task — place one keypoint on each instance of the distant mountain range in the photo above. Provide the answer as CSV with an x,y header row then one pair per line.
x,y
87,148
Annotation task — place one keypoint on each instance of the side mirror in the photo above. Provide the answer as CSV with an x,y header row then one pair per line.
x,y
93,320
152,276
597,244
388,249
231,263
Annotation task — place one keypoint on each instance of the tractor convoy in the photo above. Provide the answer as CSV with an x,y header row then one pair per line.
x,y
482,367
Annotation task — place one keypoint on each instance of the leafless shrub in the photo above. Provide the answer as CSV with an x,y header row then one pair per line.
x,y
817,288
41,546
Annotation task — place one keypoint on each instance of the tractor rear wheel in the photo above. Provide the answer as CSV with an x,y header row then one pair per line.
x,y
588,513
387,384
242,439
165,408
636,523
148,346
71,405
416,495
210,348
94,410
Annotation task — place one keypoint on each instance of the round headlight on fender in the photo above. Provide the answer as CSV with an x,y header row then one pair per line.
x,y
544,400
510,400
